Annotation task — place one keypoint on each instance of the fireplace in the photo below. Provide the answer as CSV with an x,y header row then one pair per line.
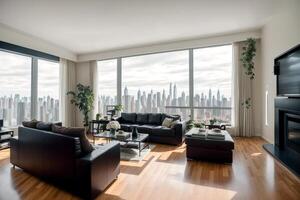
x,y
287,133
292,132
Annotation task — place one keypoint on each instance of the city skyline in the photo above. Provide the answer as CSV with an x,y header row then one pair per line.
x,y
157,102
15,109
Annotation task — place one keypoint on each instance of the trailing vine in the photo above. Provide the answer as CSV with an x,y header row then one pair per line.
x,y
248,54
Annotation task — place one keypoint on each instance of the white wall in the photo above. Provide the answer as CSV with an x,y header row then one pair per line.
x,y
280,34
179,45
18,38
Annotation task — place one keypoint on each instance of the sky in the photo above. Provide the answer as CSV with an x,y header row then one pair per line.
x,y
212,69
15,76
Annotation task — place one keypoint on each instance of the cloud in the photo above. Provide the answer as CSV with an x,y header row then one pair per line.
x,y
15,76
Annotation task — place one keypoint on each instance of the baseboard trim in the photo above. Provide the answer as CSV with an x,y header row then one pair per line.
x,y
267,139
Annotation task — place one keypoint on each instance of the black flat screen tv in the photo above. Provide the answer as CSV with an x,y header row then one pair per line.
x,y
287,70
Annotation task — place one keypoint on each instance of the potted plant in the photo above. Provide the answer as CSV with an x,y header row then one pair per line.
x,y
212,121
118,109
197,124
83,98
113,126
98,116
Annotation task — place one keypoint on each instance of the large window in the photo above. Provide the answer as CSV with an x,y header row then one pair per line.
x,y
212,83
15,79
48,91
107,85
194,83
29,85
152,82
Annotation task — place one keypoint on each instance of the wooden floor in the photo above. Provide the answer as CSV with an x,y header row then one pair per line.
x,y
166,174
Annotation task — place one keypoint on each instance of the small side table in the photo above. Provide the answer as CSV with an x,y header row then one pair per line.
x,y
97,126
5,135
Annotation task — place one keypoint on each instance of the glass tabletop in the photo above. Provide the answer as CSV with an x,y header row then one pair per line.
x,y
106,134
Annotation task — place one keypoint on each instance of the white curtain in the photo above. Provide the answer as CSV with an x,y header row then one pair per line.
x,y
94,86
67,83
242,89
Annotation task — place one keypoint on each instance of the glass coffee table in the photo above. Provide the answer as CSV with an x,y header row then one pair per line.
x,y
138,142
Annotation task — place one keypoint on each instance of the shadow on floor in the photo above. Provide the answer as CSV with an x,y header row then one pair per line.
x,y
127,168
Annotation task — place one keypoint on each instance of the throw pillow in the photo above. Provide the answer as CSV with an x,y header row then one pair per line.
x,y
174,123
30,124
46,126
86,146
167,122
174,117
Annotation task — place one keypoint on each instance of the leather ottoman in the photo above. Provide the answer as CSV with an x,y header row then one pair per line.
x,y
209,149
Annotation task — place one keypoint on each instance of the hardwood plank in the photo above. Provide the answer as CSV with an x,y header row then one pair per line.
x,y
166,174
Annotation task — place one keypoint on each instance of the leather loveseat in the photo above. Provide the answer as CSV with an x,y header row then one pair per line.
x,y
151,123
57,158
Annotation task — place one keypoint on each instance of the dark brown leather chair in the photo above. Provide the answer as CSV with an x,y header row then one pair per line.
x,y
57,158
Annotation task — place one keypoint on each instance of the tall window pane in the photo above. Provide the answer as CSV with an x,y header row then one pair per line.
x,y
48,91
152,82
212,82
107,85
15,81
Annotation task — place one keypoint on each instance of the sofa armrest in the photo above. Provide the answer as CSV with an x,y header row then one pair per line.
x,y
119,119
98,169
14,149
179,129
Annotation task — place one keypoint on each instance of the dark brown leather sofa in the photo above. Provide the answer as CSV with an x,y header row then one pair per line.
x,y
57,158
151,123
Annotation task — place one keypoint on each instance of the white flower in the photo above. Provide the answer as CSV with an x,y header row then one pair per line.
x,y
113,125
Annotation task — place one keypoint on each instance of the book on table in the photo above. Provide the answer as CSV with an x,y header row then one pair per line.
x,y
216,136
123,136
199,134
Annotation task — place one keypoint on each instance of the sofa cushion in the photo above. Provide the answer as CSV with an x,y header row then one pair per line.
x,y
154,118
162,131
128,117
30,124
145,128
141,118
86,146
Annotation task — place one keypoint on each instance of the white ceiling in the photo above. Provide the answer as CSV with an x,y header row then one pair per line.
x,y
100,25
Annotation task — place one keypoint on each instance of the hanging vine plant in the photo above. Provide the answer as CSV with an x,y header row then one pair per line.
x,y
248,54
247,59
